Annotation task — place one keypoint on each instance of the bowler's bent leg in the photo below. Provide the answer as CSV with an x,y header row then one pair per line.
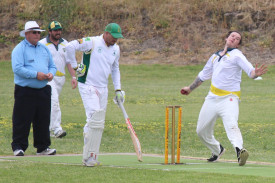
x,y
205,126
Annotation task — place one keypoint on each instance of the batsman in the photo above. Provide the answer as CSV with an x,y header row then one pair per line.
x,y
224,68
100,59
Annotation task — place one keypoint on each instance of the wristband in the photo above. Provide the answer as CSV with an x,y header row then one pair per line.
x,y
73,77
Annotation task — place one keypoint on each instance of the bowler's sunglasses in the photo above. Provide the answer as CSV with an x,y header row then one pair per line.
x,y
36,32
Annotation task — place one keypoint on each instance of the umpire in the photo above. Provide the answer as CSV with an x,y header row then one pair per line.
x,y
33,67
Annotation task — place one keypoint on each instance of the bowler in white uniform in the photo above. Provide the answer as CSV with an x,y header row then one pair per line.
x,y
224,68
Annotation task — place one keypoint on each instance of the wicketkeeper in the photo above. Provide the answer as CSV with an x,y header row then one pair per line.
x,y
100,59
224,68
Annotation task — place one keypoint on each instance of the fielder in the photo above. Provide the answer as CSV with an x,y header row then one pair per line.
x,y
100,59
56,44
224,68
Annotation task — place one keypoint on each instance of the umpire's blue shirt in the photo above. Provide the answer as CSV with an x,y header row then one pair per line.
x,y
27,60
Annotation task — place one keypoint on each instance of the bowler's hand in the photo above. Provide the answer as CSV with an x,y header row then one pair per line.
x,y
261,70
185,90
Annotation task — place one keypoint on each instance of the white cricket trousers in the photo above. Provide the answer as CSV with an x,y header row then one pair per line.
x,y
56,84
226,107
94,99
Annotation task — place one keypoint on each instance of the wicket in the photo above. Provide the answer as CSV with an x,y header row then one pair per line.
x,y
173,134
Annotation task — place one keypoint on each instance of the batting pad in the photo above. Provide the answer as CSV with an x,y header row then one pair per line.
x,y
97,120
93,135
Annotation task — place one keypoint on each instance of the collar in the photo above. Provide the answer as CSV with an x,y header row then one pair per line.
x,y
228,50
29,44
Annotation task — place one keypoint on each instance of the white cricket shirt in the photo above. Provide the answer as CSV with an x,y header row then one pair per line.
x,y
104,60
226,72
58,54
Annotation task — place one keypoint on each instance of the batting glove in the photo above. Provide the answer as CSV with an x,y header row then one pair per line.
x,y
120,96
80,70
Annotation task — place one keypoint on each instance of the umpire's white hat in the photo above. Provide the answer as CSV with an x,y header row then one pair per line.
x,y
30,26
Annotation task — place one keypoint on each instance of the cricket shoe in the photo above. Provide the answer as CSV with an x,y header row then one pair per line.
x,y
242,157
91,162
214,157
60,134
18,152
47,151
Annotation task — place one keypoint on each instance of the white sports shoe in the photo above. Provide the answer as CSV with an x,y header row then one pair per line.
x,y
18,152
47,151
60,134
91,161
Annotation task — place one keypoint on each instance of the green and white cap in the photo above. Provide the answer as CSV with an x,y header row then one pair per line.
x,y
114,29
54,25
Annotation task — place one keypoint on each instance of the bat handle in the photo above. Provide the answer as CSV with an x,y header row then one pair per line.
x,y
123,109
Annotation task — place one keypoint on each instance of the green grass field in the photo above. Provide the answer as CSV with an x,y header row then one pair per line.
x,y
189,168
149,88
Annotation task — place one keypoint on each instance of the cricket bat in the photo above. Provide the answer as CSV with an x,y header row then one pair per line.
x,y
132,132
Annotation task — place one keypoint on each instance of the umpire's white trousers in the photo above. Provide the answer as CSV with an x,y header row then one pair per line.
x,y
226,107
94,99
56,84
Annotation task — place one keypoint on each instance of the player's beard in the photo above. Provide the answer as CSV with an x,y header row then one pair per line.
x,y
111,43
56,37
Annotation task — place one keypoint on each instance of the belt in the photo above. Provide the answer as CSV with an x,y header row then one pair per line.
x,y
221,92
58,73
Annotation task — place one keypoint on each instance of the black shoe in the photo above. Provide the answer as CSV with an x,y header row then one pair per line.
x,y
214,157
